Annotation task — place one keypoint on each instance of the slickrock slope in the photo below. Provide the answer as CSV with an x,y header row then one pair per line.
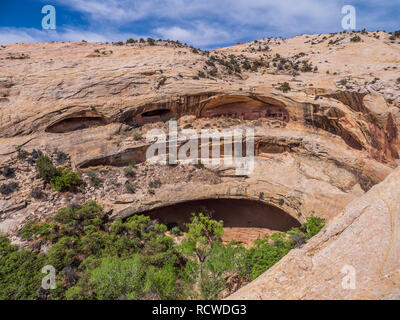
x,y
364,241
325,110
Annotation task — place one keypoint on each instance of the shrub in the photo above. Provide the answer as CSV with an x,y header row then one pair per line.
x,y
154,184
32,230
398,80
202,231
37,193
130,40
246,65
213,72
129,172
272,248
312,226
129,187
61,157
21,154
176,231
306,66
36,154
151,41
222,261
60,179
93,178
116,278
355,39
267,252
6,189
137,136
20,275
75,218
8,172
65,181
163,282
45,168
285,87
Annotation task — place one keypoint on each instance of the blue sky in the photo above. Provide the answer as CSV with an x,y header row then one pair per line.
x,y
202,23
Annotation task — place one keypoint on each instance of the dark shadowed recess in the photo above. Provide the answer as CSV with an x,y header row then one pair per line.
x,y
236,213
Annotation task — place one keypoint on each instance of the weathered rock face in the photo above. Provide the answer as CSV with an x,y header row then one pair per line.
x,y
321,141
356,256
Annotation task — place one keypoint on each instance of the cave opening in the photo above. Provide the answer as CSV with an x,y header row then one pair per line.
x,y
152,116
244,220
76,123
158,112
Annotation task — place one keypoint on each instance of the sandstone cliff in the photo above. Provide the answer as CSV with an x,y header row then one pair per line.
x,y
326,115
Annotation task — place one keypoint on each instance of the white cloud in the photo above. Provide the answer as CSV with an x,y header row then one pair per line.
x,y
12,35
199,35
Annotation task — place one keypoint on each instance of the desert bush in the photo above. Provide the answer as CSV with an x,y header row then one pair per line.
x,y
355,39
60,179
285,87
176,231
137,136
271,249
61,157
116,278
163,281
36,154
129,172
66,180
129,187
93,178
20,275
6,189
21,154
37,193
45,168
154,184
8,172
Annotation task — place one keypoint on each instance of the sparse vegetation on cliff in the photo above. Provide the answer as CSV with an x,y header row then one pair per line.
x,y
285,87
59,178
271,249
355,39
